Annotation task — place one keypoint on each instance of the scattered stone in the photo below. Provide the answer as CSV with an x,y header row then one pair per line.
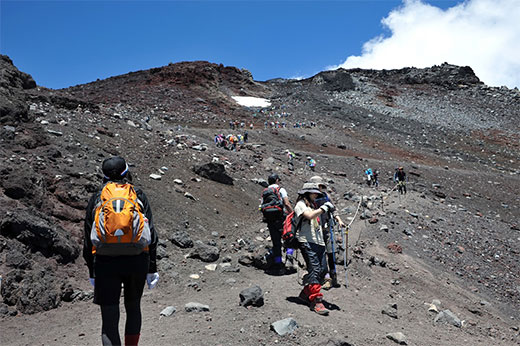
x,y
231,281
365,215
178,181
475,311
408,232
252,296
394,248
439,194
246,260
335,342
384,228
168,311
373,220
155,176
205,253
181,239
398,337
194,276
199,147
432,308
196,307
261,182
211,267
446,316
189,195
56,133
390,310
284,326
230,269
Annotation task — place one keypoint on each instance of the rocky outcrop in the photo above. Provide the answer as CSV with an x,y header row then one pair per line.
x,y
13,104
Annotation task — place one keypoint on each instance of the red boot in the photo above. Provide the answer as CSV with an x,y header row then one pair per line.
x,y
318,307
132,340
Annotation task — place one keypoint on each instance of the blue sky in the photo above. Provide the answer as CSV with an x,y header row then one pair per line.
x,y
64,43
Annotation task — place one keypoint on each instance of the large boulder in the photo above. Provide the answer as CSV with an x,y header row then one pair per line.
x,y
39,235
31,291
214,171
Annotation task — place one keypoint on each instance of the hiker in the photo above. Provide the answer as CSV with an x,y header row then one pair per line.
x,y
290,160
400,179
369,176
229,141
312,245
246,136
111,263
275,206
234,142
327,224
219,139
311,163
375,178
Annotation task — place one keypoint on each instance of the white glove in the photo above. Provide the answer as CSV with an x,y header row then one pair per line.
x,y
328,207
92,282
152,279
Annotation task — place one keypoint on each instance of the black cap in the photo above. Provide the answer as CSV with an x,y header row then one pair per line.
x,y
115,168
273,178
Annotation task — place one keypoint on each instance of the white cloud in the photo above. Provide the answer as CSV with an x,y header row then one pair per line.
x,y
483,34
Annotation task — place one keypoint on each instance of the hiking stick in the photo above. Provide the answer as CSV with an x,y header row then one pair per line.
x,y
331,230
345,254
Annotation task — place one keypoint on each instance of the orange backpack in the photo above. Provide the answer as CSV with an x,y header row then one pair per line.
x,y
119,227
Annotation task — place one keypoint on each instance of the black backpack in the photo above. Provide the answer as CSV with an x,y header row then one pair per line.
x,y
272,204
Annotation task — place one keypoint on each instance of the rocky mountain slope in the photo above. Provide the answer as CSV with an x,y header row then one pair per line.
x,y
455,237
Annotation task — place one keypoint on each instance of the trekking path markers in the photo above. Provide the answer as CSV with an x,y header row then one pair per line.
x,y
345,242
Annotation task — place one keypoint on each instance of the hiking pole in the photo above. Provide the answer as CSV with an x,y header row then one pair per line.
x,y
331,230
345,254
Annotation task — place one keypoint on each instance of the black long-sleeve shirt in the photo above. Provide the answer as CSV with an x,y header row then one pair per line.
x,y
89,220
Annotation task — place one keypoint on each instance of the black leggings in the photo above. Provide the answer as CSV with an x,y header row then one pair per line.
x,y
110,318
112,273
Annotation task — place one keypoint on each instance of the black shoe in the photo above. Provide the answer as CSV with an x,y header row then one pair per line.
x,y
278,269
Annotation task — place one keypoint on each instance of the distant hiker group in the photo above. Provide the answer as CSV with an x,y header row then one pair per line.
x,y
231,141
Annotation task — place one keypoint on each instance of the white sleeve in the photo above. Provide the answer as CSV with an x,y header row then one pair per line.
x,y
283,193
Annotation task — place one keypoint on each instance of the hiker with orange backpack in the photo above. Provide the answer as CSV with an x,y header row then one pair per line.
x,y
312,245
119,248
275,206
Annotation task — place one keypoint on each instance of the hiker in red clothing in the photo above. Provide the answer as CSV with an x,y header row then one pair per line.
x,y
312,245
